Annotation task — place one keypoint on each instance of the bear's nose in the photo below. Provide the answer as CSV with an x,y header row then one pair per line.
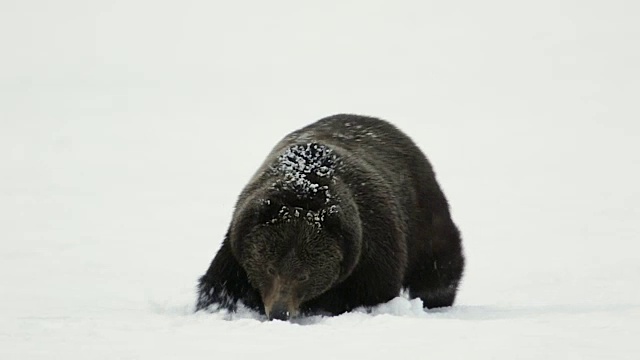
x,y
279,312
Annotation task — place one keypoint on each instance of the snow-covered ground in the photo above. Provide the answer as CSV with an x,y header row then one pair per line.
x,y
127,129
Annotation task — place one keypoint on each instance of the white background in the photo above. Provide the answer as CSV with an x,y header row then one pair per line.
x,y
128,128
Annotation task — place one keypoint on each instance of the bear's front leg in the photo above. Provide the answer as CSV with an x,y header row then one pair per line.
x,y
225,283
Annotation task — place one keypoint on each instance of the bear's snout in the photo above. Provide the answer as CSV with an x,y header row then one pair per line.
x,y
279,312
279,301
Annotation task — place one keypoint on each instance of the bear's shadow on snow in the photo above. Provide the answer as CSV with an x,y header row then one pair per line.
x,y
460,312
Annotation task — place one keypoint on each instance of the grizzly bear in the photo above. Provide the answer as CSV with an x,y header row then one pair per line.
x,y
343,213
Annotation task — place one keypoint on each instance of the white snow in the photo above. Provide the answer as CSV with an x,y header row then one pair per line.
x,y
128,128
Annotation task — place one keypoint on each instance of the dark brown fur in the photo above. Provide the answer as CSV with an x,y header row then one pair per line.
x,y
343,213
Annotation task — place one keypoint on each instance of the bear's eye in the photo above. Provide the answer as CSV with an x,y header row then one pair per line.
x,y
271,271
302,277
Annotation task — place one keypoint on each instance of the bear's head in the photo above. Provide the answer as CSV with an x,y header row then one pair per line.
x,y
292,255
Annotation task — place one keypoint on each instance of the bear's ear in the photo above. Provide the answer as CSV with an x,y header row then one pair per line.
x,y
242,223
266,210
343,224
255,213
